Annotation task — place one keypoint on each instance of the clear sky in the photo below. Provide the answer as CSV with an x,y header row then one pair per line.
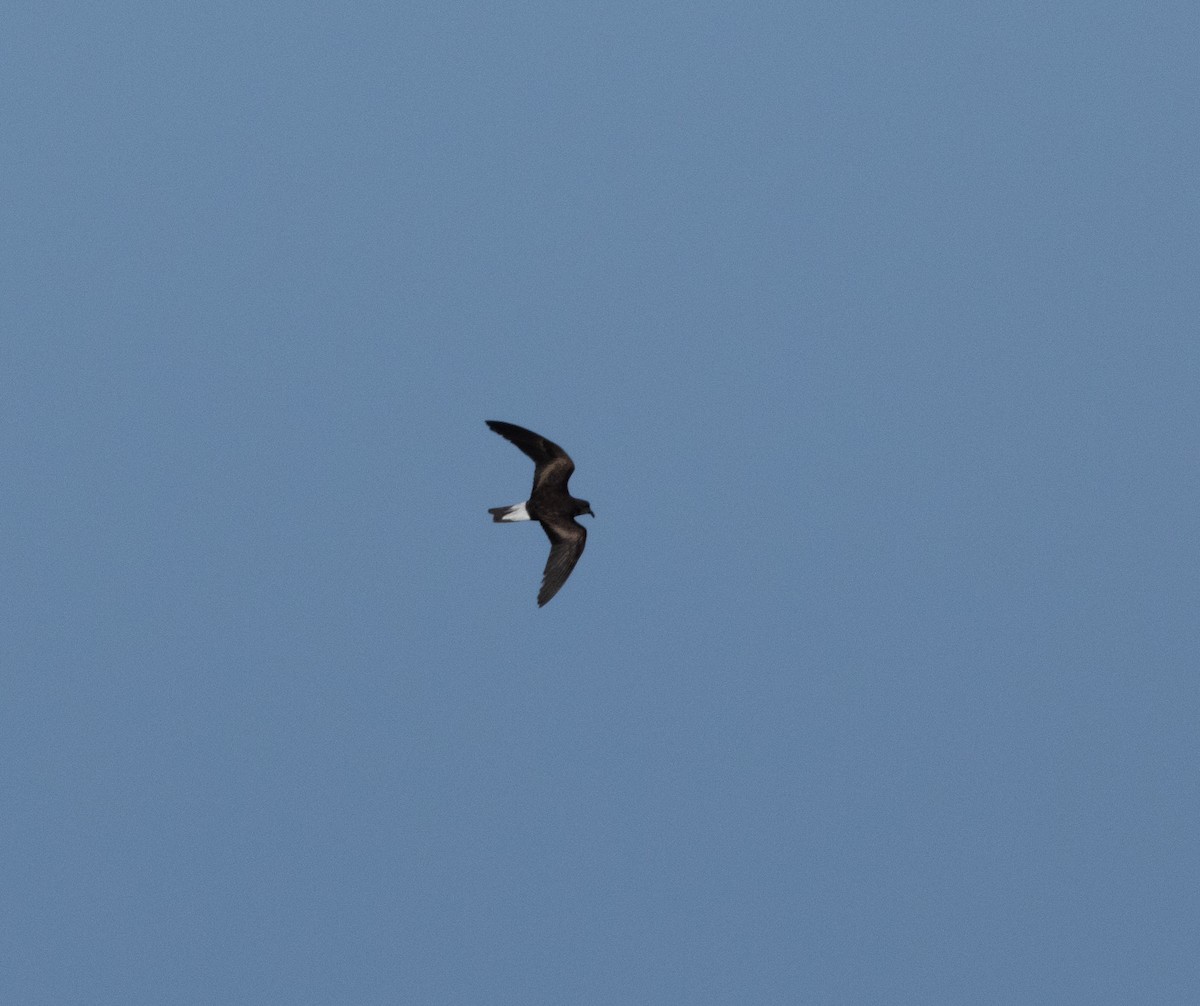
x,y
873,332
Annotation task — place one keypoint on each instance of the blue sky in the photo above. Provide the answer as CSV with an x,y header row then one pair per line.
x,y
873,334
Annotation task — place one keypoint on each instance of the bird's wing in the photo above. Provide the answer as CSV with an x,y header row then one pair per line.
x,y
554,467
566,546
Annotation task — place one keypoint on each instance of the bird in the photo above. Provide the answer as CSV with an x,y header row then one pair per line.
x,y
549,503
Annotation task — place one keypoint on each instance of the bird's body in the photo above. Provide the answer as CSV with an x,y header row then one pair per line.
x,y
550,503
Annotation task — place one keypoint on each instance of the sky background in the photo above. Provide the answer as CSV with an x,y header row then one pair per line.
x,y
872,330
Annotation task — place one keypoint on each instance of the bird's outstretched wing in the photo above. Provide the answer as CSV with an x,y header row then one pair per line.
x,y
553,465
566,546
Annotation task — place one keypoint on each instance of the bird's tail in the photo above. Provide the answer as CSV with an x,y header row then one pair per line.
x,y
504,514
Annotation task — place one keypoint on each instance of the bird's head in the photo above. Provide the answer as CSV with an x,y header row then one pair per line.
x,y
583,507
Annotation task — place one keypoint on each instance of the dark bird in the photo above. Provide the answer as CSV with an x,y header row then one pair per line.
x,y
550,503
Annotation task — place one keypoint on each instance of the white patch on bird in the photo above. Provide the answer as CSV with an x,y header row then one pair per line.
x,y
516,512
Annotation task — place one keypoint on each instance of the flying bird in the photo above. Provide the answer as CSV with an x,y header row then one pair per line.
x,y
550,503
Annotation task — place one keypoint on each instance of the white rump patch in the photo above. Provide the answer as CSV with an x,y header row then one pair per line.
x,y
516,512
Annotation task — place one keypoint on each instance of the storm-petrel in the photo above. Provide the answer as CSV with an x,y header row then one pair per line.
x,y
549,503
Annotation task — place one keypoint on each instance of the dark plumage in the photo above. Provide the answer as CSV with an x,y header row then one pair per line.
x,y
549,503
